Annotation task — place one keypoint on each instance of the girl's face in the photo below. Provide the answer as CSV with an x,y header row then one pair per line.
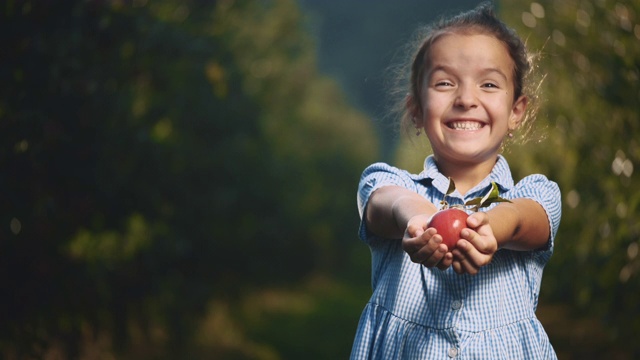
x,y
467,98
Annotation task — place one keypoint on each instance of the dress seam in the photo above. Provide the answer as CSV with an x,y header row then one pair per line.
x,y
407,320
453,326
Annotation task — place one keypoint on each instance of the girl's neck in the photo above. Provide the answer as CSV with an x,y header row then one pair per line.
x,y
466,175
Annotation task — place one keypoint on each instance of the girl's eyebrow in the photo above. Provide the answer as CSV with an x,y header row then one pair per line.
x,y
444,68
448,69
497,71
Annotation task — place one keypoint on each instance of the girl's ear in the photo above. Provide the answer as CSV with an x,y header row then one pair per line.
x,y
517,112
413,109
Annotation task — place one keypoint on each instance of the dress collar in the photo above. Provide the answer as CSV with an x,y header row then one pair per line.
x,y
500,174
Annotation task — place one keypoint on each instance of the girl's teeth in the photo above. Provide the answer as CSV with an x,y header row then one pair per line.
x,y
465,125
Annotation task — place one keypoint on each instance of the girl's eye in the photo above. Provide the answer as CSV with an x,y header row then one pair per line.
x,y
490,85
443,83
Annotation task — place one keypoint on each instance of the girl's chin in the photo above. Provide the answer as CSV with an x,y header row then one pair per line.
x,y
477,138
466,132
470,151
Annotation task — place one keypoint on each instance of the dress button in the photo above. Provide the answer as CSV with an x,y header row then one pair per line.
x,y
453,352
456,304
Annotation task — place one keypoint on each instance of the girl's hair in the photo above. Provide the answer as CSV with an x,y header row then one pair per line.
x,y
481,20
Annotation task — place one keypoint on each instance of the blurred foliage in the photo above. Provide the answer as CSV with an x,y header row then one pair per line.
x,y
162,158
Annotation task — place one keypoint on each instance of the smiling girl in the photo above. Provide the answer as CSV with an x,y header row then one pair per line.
x,y
478,300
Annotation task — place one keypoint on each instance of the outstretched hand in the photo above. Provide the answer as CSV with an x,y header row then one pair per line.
x,y
424,245
477,246
474,250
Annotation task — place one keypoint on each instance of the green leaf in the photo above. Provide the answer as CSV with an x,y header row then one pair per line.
x,y
474,201
452,187
493,196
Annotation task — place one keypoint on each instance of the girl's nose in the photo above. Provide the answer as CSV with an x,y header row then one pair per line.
x,y
465,98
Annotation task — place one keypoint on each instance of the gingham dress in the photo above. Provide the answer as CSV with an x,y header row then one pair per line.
x,y
421,313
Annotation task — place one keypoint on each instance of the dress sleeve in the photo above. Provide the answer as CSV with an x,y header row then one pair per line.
x,y
374,177
545,192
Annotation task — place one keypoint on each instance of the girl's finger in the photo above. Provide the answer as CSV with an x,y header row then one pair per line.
x,y
457,267
446,261
436,256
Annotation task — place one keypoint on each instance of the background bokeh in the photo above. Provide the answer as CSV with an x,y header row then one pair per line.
x,y
178,177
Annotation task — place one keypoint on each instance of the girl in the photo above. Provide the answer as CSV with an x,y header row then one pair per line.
x,y
478,300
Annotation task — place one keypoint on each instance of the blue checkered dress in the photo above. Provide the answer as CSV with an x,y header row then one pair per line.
x,y
421,313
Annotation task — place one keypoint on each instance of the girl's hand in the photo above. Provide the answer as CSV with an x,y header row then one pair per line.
x,y
425,246
477,246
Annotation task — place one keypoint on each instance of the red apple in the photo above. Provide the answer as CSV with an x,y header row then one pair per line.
x,y
449,223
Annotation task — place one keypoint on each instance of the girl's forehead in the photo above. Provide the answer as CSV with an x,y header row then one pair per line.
x,y
469,51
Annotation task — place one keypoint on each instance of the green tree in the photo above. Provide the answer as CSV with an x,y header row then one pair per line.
x,y
157,155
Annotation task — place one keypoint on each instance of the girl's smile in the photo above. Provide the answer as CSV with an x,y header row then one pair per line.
x,y
467,125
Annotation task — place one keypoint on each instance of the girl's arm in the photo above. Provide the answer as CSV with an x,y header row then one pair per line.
x,y
391,207
520,225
